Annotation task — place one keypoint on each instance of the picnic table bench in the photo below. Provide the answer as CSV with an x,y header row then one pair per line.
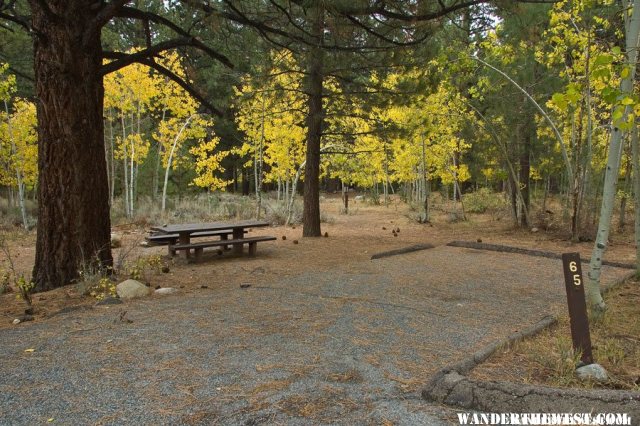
x,y
178,237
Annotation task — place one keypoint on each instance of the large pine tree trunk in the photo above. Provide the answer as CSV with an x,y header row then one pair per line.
x,y
73,195
311,212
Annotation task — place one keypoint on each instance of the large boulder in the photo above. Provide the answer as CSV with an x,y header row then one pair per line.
x,y
131,289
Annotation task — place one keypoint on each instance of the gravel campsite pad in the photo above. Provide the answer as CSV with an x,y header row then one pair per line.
x,y
348,344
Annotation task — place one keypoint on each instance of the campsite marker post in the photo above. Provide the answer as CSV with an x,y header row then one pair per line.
x,y
577,306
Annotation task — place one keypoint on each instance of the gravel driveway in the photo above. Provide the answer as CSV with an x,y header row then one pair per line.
x,y
347,346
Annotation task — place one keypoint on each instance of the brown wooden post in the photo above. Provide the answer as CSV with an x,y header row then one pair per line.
x,y
577,306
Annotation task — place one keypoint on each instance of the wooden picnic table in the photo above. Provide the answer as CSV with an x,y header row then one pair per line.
x,y
186,230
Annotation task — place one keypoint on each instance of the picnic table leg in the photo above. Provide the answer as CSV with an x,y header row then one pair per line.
x,y
184,239
238,233
225,237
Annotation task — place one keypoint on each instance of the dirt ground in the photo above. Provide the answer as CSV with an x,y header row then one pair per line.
x,y
352,238
306,333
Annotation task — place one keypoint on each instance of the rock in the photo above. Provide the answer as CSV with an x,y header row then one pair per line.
x,y
165,290
245,285
131,289
165,269
534,230
592,372
144,244
109,301
326,234
295,241
22,318
359,198
116,241
284,237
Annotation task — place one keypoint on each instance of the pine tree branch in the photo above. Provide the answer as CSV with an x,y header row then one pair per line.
x,y
155,50
108,11
169,74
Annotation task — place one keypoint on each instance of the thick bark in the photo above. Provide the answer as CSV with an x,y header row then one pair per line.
x,y
73,193
311,212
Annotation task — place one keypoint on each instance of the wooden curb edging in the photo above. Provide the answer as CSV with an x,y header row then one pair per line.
x,y
404,250
450,386
528,252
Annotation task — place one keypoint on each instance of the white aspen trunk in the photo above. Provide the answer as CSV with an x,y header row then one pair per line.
x,y
124,169
112,189
156,170
594,296
278,190
19,179
107,160
258,164
455,178
166,172
425,199
131,177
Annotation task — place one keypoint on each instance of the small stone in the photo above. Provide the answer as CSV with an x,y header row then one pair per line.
x,y
326,234
204,286
395,235
479,240
131,289
181,286
534,230
16,321
384,228
592,372
295,241
165,269
284,237
245,285
28,311
166,290
398,230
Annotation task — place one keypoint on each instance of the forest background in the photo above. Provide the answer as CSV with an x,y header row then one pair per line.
x,y
483,103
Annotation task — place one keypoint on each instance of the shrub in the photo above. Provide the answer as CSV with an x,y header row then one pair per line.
x,y
483,200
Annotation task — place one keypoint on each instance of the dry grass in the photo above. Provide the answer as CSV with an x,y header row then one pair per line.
x,y
349,376
549,358
326,406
